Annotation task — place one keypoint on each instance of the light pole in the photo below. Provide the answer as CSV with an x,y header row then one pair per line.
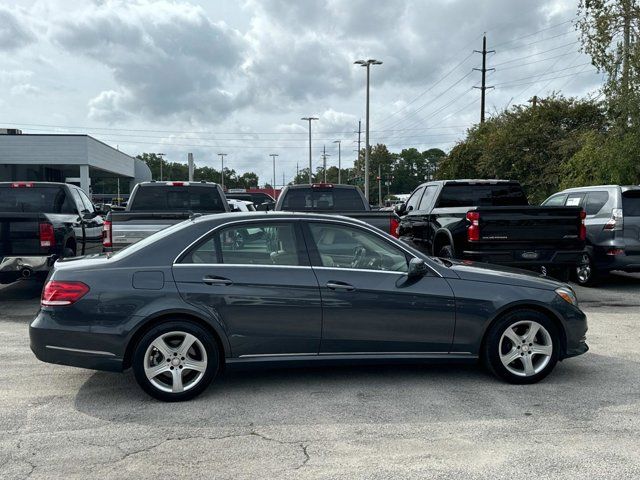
x,y
222,155
367,64
309,119
273,185
160,155
339,142
324,162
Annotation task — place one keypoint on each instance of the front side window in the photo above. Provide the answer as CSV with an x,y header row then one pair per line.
x,y
414,199
346,247
427,198
249,244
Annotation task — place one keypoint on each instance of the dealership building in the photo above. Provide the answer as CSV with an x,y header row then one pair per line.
x,y
78,159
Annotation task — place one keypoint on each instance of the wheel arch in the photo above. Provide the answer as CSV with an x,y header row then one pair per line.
x,y
538,307
152,320
440,239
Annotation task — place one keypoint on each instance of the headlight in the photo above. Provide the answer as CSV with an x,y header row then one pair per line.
x,y
568,295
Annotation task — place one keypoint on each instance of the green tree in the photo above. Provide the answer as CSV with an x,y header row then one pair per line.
x,y
610,34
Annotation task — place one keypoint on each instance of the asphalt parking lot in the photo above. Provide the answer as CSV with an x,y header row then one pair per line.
x,y
366,422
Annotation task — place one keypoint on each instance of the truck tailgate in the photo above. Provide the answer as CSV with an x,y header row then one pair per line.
x,y
20,233
527,224
131,227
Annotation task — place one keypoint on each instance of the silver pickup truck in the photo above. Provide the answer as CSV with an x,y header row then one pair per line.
x,y
154,206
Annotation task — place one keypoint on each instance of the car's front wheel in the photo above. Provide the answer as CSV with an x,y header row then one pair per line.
x,y
522,347
175,361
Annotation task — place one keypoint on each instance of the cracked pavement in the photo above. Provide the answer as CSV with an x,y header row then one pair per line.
x,y
376,422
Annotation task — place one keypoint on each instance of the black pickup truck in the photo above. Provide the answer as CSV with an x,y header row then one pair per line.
x,y
345,200
154,206
41,222
492,221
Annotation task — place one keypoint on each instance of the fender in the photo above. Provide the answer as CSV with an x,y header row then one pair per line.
x,y
439,233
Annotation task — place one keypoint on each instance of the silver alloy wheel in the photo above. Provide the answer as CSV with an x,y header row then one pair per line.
x,y
175,362
525,348
583,271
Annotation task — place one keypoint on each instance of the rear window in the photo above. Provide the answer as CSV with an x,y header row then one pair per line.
x,y
340,199
52,199
465,195
631,203
169,198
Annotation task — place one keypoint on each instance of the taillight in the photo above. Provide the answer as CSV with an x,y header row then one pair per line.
x,y
473,230
615,251
394,227
47,235
583,227
56,293
616,220
106,234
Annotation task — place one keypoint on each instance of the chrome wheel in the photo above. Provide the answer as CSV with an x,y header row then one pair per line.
x,y
175,362
525,348
584,271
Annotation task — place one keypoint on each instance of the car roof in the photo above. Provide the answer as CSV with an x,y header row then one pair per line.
x,y
309,185
220,218
163,183
593,187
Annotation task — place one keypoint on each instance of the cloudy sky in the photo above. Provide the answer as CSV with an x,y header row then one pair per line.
x,y
236,76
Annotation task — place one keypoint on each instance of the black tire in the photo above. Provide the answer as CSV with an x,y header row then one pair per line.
x,y
491,346
447,252
184,326
562,274
68,253
586,274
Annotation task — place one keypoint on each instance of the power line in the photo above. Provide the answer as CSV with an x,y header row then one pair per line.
x,y
535,54
537,41
534,33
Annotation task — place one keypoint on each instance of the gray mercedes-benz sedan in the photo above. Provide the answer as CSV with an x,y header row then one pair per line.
x,y
285,287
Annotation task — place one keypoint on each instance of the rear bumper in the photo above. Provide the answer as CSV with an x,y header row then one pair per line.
x,y
73,345
628,263
526,258
14,267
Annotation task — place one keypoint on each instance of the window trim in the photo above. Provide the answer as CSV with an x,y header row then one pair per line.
x,y
305,261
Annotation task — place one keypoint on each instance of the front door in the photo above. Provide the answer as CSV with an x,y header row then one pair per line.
x,y
255,278
369,304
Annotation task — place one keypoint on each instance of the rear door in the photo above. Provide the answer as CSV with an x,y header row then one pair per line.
x,y
255,278
369,304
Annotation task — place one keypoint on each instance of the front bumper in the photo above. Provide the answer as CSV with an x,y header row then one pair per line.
x,y
575,327
71,344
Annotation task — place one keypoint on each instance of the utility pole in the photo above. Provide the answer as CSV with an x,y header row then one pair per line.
x,y
222,155
367,147
283,179
484,71
359,132
161,162
273,185
339,142
297,172
309,119
379,185
533,101
324,161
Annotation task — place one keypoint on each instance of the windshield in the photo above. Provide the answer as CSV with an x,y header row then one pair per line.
x,y
169,198
340,199
465,195
51,199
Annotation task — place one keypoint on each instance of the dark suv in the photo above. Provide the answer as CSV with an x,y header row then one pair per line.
x,y
613,228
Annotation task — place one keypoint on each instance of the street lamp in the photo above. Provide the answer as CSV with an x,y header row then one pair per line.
x,y
160,155
222,155
339,142
273,184
309,119
367,64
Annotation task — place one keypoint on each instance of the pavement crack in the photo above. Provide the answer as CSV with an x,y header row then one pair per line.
x,y
306,456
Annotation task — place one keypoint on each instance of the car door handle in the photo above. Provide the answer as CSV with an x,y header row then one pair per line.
x,y
340,286
209,280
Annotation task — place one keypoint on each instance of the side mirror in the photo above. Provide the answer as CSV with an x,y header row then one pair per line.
x,y
266,206
401,208
417,268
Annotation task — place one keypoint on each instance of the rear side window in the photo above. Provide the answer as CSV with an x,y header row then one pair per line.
x,y
169,198
631,203
52,199
556,201
483,195
595,202
339,199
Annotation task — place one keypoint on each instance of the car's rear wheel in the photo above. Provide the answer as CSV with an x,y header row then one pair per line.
x,y
586,273
175,361
522,347
446,252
